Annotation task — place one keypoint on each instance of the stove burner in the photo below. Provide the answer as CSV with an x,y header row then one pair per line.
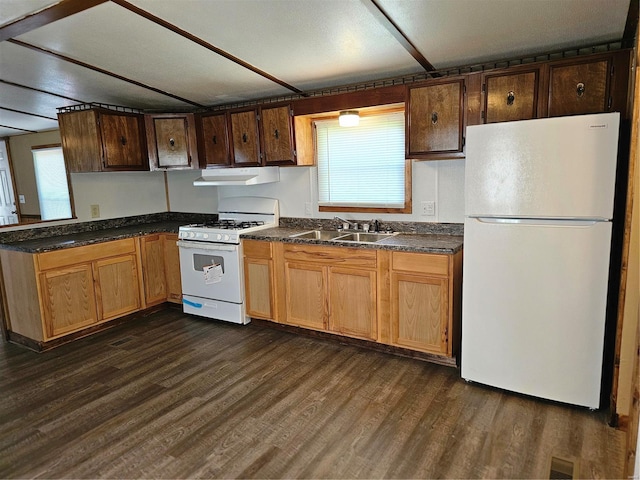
x,y
231,224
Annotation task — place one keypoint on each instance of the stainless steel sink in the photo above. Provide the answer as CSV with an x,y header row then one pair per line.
x,y
364,237
318,234
341,236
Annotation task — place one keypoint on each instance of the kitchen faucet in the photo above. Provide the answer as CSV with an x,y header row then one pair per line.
x,y
353,224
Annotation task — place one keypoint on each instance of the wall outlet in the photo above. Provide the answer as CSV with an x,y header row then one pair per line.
x,y
21,199
95,211
307,209
428,209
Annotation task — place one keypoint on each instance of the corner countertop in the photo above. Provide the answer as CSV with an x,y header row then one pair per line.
x,y
404,242
59,242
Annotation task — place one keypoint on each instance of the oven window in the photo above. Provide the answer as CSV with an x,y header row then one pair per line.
x,y
200,261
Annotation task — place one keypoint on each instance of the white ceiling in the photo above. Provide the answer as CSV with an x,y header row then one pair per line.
x,y
305,44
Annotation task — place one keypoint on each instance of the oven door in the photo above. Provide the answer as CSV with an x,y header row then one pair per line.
x,y
195,257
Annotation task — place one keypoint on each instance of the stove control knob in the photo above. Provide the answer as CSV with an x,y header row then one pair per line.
x,y
219,237
226,237
205,235
192,234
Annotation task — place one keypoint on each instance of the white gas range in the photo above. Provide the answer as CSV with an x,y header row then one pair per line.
x,y
211,257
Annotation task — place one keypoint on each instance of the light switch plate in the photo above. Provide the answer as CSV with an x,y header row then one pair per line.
x,y
428,209
95,211
21,199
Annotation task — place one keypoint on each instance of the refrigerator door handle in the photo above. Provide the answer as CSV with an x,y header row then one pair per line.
x,y
540,222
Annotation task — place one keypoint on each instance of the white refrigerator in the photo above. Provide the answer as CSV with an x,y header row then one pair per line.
x,y
537,237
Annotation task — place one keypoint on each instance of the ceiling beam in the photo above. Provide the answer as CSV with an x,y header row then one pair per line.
x,y
6,82
45,16
28,113
20,129
183,33
102,70
383,18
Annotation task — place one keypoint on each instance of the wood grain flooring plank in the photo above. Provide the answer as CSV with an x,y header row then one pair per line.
x,y
174,396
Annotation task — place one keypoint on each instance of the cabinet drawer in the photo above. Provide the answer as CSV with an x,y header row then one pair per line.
x,y
88,253
335,256
256,249
420,263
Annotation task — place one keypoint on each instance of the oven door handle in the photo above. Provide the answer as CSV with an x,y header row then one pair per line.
x,y
207,246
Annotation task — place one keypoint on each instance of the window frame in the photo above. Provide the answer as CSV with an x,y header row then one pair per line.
x,y
369,111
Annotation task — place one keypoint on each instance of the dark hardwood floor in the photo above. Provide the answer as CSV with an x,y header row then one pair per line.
x,y
172,396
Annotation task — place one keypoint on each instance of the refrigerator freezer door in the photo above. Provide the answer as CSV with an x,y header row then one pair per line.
x,y
533,313
547,168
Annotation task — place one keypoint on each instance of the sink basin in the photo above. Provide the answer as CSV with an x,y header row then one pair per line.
x,y
318,235
363,237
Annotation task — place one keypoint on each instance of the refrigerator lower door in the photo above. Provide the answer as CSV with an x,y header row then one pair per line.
x,y
533,312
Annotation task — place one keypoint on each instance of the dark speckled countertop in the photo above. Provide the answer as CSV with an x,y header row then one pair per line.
x,y
47,238
404,242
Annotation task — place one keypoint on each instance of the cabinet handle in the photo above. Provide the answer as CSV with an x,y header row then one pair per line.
x,y
123,140
172,142
511,97
580,89
244,137
215,140
434,117
276,133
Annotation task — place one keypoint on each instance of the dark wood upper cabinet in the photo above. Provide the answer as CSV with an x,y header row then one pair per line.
x,y
434,120
97,140
510,96
579,87
244,134
276,131
213,139
171,140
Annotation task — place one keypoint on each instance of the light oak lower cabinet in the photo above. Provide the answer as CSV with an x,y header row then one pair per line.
x,y
331,288
116,286
68,299
259,284
404,299
425,301
161,268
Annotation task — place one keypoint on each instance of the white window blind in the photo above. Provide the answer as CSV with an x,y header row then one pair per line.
x,y
362,166
51,181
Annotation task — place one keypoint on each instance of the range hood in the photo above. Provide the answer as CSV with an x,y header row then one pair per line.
x,y
238,176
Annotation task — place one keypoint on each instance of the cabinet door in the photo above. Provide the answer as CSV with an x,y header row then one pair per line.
x,y
259,287
153,269
244,129
214,139
277,135
68,299
172,268
352,302
172,141
80,141
117,289
122,142
434,119
305,286
578,88
419,312
510,97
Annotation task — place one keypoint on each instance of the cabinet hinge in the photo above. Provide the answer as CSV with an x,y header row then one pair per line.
x,y
464,89
446,334
464,140
482,114
484,87
261,156
295,153
291,112
613,68
609,103
257,117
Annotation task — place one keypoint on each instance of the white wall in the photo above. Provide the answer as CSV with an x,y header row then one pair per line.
x,y
438,181
184,197
118,194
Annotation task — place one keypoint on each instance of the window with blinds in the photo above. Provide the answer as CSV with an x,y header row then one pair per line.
x,y
362,167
